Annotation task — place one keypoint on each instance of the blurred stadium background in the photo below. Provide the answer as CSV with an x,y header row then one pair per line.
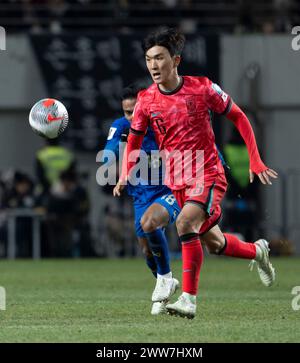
x,y
83,53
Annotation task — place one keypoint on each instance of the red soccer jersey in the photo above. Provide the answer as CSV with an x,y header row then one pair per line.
x,y
181,122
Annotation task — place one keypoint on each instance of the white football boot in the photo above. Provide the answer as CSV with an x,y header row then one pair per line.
x,y
184,307
159,307
164,288
264,267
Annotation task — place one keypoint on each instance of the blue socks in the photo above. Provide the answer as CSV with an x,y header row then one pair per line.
x,y
159,247
150,261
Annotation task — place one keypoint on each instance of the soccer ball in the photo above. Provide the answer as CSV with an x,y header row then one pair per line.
x,y
48,118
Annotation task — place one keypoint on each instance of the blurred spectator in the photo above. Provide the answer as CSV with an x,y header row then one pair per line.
x,y
51,161
67,223
19,195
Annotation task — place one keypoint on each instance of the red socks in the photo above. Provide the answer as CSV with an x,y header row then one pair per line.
x,y
192,257
236,248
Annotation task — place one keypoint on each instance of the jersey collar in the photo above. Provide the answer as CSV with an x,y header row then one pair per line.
x,y
175,90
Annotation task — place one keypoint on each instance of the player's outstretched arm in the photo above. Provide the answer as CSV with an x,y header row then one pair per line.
x,y
241,122
118,189
120,186
134,143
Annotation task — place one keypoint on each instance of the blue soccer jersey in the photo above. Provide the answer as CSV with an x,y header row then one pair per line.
x,y
143,194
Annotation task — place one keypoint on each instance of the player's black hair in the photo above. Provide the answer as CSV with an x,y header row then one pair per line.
x,y
131,91
170,38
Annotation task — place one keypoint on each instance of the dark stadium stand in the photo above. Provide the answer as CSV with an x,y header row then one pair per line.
x,y
223,15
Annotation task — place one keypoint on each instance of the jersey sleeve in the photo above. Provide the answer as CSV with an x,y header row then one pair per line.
x,y
140,120
116,134
216,99
241,122
114,138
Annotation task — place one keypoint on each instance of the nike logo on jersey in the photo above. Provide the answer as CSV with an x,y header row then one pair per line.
x,y
154,114
187,270
51,118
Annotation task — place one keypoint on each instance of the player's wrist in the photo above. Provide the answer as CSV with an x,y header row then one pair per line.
x,y
258,167
123,180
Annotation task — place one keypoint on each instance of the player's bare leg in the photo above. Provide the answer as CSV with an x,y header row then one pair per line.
x,y
156,216
218,243
154,219
188,225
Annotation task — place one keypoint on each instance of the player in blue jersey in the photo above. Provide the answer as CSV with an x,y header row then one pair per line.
x,y
154,205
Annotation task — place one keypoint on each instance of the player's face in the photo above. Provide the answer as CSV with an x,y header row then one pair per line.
x,y
128,107
161,65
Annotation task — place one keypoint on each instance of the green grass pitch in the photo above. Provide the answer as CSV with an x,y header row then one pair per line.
x,y
103,300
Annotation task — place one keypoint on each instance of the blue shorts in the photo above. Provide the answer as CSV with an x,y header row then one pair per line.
x,y
166,200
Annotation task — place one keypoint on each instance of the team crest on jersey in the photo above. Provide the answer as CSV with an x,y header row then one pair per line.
x,y
155,114
190,104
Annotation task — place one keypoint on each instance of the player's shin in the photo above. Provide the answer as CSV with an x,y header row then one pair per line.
x,y
236,248
192,257
151,263
159,247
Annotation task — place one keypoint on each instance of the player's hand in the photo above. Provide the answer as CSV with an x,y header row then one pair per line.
x,y
118,189
264,176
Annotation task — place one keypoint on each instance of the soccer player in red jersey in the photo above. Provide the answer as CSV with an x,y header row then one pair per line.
x,y
177,108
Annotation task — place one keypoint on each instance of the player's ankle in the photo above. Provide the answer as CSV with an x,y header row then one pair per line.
x,y
189,297
166,276
259,253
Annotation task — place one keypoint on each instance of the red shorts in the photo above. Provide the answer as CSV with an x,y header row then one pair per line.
x,y
208,196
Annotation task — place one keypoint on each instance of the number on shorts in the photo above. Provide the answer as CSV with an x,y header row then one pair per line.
x,y
169,198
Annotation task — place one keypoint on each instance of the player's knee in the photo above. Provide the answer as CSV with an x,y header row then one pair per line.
x,y
214,247
184,225
212,250
149,223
